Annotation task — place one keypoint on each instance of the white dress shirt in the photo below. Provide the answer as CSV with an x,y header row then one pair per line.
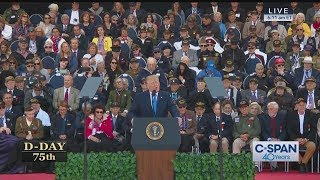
x,y
7,32
74,19
44,117
308,102
301,119
151,97
64,91
4,121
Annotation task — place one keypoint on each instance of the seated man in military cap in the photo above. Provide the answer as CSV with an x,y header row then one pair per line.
x,y
253,37
43,116
232,93
28,127
246,129
134,68
219,125
281,96
22,54
302,128
176,90
253,22
234,53
232,21
278,49
311,95
275,81
162,61
237,82
145,42
275,36
201,93
253,94
166,27
42,96
185,51
187,124
201,141
119,126
184,35
229,68
18,95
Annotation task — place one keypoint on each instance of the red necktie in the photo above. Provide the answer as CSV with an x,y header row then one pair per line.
x,y
66,96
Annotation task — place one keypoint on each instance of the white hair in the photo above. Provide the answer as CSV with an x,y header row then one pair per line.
x,y
151,60
53,6
302,15
273,104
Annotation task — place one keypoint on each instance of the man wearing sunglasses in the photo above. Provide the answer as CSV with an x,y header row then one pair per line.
x,y
162,61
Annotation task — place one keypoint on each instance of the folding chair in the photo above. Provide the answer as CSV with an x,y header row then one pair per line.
x,y
35,19
130,81
132,33
48,62
142,62
14,45
303,149
158,19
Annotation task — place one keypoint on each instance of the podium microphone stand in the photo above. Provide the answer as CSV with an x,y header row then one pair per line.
x,y
88,91
217,90
220,142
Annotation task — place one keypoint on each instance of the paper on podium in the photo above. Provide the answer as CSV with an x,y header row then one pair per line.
x,y
215,87
90,87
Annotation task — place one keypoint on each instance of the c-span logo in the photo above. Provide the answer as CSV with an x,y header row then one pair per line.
x,y
276,151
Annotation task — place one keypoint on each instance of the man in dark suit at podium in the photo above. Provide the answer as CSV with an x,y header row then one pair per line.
x,y
153,103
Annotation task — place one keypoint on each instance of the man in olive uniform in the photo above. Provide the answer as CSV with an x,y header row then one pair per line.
x,y
246,128
121,96
28,127
134,68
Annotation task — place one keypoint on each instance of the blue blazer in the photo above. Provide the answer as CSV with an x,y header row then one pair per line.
x,y
265,121
141,106
68,12
299,73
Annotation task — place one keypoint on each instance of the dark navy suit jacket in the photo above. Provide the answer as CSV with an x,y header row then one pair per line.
x,y
281,132
141,106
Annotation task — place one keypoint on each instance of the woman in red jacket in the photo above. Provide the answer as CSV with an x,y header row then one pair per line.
x,y
99,131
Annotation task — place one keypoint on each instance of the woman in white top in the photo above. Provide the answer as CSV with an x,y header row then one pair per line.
x,y
46,25
315,25
93,55
6,30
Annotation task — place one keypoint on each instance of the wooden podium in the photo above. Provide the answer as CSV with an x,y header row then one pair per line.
x,y
155,141
155,165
